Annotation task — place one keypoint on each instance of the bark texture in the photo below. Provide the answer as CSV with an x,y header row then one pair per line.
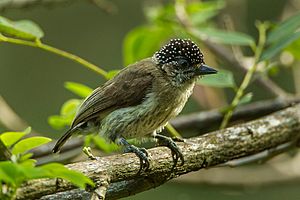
x,y
205,151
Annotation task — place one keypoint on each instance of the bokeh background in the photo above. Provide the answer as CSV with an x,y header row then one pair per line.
x,y
32,80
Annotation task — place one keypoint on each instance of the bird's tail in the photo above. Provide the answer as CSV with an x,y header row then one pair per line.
x,y
64,138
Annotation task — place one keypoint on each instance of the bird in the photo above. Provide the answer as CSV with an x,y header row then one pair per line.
x,y
140,100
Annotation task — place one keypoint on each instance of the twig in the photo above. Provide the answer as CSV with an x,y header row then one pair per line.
x,y
39,44
5,154
200,152
223,53
9,119
207,120
262,28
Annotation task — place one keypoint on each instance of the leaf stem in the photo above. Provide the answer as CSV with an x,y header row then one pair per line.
x,y
173,131
262,28
40,45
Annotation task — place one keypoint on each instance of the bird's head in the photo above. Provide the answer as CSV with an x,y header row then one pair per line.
x,y
182,61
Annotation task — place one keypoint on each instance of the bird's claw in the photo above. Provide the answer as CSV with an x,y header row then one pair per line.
x,y
142,154
168,142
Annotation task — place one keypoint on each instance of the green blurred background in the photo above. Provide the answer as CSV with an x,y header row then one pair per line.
x,y
31,80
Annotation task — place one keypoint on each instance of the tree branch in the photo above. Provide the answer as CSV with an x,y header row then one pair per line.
x,y
200,152
200,122
204,121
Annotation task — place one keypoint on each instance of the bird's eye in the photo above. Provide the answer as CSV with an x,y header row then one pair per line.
x,y
183,63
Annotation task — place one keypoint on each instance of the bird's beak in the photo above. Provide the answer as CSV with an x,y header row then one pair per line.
x,y
204,70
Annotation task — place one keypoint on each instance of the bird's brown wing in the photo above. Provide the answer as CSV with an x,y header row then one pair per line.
x,y
128,88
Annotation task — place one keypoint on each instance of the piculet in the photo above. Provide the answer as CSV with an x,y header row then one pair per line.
x,y
141,99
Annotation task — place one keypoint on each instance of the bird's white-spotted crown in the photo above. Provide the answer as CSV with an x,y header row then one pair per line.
x,y
179,47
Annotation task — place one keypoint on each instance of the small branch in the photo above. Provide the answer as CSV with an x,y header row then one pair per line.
x,y
262,28
203,121
200,152
9,118
5,154
223,53
173,132
39,44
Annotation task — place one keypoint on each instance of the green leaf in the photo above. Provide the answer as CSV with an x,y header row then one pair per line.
x,y
8,172
112,73
201,12
70,107
15,174
58,122
78,89
224,37
293,48
142,42
25,157
59,170
202,17
196,7
222,79
29,143
9,138
35,172
28,163
67,113
160,14
278,46
284,29
23,29
246,98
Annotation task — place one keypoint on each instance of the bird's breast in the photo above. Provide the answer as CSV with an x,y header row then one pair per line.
x,y
158,107
164,105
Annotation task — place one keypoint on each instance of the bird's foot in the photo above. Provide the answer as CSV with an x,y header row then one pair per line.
x,y
168,142
142,154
